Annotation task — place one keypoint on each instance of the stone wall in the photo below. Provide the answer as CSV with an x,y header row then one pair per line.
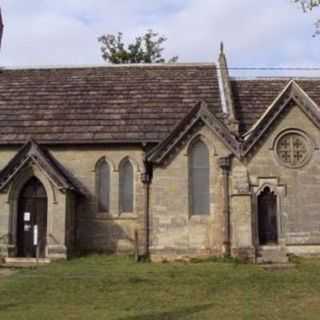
x,y
297,189
241,212
77,224
73,221
174,231
102,231
5,155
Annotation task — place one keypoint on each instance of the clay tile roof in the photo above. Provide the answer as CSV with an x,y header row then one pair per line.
x,y
102,104
252,97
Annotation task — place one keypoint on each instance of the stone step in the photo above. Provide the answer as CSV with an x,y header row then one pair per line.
x,y
278,266
272,260
24,262
271,248
274,255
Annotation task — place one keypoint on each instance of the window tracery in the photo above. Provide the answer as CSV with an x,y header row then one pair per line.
x,y
293,149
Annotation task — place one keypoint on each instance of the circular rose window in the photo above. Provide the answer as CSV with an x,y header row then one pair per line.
x,y
293,150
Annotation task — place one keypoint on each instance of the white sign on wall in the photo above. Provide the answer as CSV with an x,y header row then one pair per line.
x,y
35,235
27,216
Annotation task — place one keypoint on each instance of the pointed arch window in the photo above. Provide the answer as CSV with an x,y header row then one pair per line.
x,y
199,179
126,186
103,185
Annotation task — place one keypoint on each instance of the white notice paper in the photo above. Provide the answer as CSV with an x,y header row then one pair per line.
x,y
35,235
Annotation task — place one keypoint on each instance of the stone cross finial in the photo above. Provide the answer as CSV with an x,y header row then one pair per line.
x,y
226,91
221,47
1,27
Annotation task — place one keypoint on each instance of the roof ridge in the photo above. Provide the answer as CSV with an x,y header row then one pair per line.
x,y
98,66
273,78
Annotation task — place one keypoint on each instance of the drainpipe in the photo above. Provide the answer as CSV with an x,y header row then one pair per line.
x,y
225,165
146,179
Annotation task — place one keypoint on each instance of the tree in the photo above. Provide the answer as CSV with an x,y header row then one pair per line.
x,y
309,5
145,49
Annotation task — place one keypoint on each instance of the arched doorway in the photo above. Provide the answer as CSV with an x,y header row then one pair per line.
x,y
267,217
32,220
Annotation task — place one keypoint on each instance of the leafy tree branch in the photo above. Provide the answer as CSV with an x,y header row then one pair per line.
x,y
145,49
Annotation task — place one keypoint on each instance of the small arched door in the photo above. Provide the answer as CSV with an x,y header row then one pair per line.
x,y
32,220
267,217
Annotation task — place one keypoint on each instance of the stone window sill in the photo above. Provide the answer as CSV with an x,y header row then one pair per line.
x,y
113,216
127,215
199,218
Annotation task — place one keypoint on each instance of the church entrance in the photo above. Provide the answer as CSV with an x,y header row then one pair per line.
x,y
267,218
32,220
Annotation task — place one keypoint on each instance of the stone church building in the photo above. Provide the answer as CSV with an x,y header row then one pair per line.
x,y
168,160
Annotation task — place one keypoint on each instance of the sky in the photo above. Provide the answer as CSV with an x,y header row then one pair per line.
x,y
255,33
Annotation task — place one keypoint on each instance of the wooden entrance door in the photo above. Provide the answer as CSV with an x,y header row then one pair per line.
x,y
267,217
32,220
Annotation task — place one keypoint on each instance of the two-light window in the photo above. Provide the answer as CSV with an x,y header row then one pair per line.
x,y
126,186
199,172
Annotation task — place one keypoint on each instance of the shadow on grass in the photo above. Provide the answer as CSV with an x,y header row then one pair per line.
x,y
6,307
177,314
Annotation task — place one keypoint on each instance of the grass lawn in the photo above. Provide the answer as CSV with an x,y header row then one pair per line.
x,y
100,287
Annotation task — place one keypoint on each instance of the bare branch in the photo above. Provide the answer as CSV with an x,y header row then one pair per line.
x,y
309,5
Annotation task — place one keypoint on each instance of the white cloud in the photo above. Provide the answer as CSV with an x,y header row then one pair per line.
x,y
273,32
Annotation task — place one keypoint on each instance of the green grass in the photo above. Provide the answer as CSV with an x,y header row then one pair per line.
x,y
100,287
